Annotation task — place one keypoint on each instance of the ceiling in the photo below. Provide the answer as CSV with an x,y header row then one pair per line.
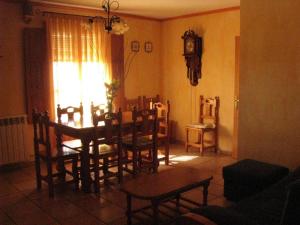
x,y
159,9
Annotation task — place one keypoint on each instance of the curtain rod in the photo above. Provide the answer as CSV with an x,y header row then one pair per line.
x,y
66,14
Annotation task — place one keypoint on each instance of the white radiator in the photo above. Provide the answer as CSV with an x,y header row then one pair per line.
x,y
12,139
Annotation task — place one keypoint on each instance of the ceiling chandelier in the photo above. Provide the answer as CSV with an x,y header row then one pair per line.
x,y
113,23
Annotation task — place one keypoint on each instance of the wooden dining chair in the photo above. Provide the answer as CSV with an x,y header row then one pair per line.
x,y
143,138
44,151
70,112
98,109
163,135
107,147
134,102
208,123
149,101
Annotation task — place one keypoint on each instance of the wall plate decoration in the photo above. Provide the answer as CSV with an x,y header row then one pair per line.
x,y
148,46
135,46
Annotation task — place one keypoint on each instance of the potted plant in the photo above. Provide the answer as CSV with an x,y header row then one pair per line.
x,y
111,93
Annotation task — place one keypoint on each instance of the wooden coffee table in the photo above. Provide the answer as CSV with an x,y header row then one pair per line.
x,y
163,186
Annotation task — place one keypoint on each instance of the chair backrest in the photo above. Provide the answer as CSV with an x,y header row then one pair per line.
x,y
134,102
163,112
112,128
149,101
98,109
209,110
69,111
41,135
144,122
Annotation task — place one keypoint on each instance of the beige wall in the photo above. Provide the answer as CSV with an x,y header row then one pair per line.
x,y
218,68
270,81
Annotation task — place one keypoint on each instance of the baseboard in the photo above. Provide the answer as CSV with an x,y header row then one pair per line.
x,y
221,151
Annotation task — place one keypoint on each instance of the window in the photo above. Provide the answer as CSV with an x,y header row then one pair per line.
x,y
79,60
74,84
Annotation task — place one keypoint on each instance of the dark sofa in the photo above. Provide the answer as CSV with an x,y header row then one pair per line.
x,y
276,205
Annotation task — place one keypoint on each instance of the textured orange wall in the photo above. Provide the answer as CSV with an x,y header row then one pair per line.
x,y
270,81
12,89
218,68
11,63
144,74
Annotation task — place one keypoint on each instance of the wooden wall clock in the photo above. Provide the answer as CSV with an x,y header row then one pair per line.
x,y
192,51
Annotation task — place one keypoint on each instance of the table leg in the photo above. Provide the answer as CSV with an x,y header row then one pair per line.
x,y
128,212
85,166
155,212
205,193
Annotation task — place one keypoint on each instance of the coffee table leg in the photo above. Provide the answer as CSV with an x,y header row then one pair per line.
x,y
178,203
155,212
205,194
128,209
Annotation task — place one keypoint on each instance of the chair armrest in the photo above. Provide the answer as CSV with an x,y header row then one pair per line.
x,y
294,186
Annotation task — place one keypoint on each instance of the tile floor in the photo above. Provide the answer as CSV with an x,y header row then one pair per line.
x,y
22,204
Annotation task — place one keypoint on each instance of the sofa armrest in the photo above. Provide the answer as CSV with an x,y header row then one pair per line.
x,y
290,215
294,186
223,216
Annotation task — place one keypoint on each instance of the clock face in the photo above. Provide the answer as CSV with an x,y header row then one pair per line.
x,y
190,45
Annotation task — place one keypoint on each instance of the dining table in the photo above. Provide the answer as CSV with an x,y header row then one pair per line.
x,y
83,129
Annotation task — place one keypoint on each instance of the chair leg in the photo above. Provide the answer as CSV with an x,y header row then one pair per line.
x,y
105,170
120,166
216,142
50,179
75,173
155,160
38,172
167,152
140,162
126,157
134,162
187,140
96,174
62,170
201,140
